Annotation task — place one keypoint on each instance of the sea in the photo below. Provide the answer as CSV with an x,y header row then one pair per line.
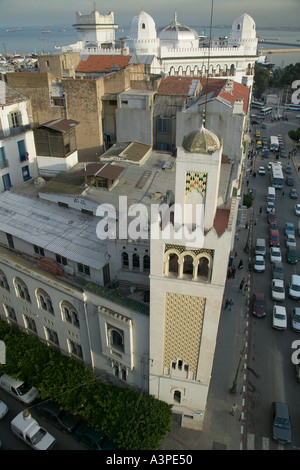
x,y
48,39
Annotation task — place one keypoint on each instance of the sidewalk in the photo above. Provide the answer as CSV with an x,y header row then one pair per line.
x,y
224,419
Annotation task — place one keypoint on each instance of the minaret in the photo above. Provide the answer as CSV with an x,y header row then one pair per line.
x,y
185,291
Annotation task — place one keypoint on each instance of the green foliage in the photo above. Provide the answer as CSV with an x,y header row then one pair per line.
x,y
285,77
247,200
134,420
261,80
295,134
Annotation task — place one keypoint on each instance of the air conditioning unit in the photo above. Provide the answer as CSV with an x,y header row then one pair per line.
x,y
69,270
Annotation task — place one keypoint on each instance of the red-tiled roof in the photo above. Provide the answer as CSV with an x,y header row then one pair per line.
x,y
176,85
216,87
103,63
221,220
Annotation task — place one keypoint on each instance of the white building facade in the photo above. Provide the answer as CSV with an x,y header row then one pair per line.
x,y
17,149
177,49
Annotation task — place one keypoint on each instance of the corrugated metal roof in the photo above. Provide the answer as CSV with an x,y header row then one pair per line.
x,y
60,125
63,231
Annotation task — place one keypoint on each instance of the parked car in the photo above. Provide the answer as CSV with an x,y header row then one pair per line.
x,y
277,271
289,181
282,432
279,317
290,240
292,255
259,305
259,264
261,170
92,439
18,389
289,228
297,209
3,409
272,217
283,153
264,126
270,207
295,319
288,170
294,287
275,254
60,418
277,290
293,194
274,239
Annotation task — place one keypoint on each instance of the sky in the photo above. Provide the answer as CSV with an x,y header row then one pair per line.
x,y
190,12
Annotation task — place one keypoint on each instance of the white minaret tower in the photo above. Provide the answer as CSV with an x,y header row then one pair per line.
x,y
186,288
95,28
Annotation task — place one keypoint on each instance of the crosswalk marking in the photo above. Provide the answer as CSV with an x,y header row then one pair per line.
x,y
265,443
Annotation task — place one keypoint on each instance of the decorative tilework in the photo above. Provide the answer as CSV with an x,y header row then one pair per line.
x,y
182,249
184,315
195,180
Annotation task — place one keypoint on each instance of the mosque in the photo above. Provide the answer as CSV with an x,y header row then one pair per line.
x,y
175,49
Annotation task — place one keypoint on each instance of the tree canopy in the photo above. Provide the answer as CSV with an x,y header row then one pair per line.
x,y
134,420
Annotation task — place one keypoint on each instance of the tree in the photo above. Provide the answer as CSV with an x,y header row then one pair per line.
x,y
261,80
134,420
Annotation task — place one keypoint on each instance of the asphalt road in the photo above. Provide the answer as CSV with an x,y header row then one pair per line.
x,y
271,373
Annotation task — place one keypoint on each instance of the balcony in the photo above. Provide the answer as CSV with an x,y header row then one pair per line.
x,y
15,131
24,158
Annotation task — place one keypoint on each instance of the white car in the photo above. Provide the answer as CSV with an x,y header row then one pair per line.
x,y
297,209
270,207
261,170
295,319
3,409
259,264
275,254
278,291
279,317
290,240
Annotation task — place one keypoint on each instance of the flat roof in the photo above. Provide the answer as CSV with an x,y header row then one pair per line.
x,y
68,233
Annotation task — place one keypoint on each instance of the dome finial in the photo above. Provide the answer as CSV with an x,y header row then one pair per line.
x,y
175,16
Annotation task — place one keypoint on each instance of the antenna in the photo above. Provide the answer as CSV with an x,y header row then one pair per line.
x,y
208,59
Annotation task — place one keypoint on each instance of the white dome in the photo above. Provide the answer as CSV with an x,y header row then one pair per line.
x,y
244,26
177,32
142,26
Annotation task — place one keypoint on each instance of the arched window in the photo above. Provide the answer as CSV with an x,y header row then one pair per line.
x,y
125,260
21,289
173,263
69,314
143,26
3,281
43,300
135,261
177,396
146,266
203,266
188,265
116,339
239,26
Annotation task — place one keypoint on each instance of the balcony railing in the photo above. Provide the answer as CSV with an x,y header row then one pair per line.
x,y
15,131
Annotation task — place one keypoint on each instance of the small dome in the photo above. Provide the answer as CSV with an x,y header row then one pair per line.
x,y
201,141
244,26
176,32
142,26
